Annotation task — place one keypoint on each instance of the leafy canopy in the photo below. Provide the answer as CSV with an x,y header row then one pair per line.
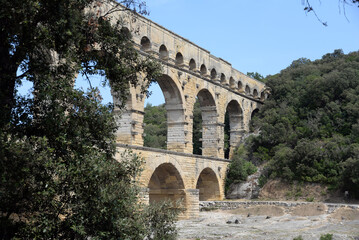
x,y
59,178
310,124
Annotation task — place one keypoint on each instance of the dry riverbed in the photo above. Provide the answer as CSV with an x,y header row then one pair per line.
x,y
272,222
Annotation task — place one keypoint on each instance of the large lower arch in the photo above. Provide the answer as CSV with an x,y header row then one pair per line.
x,y
208,185
236,126
166,183
210,138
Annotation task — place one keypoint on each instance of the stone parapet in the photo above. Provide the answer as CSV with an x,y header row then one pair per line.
x,y
227,205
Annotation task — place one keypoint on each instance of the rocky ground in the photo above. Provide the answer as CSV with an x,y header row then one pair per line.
x,y
273,222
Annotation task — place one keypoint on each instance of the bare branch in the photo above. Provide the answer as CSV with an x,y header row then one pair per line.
x,y
308,8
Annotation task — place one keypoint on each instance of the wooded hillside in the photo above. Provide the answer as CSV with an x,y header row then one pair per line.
x,y
309,127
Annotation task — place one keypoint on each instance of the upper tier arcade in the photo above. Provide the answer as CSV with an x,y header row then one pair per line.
x,y
189,73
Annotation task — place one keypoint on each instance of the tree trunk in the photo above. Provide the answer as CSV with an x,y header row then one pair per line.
x,y
7,86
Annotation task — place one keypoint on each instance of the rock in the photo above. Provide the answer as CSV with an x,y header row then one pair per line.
x,y
237,221
229,222
248,190
268,217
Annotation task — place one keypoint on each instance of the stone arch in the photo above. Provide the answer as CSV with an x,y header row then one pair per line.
x,y
232,83
203,70
175,113
255,93
145,44
254,112
192,65
209,123
262,96
213,74
208,185
179,59
236,125
247,90
125,31
166,183
163,52
223,78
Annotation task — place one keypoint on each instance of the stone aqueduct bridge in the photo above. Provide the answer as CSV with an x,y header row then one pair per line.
x,y
189,72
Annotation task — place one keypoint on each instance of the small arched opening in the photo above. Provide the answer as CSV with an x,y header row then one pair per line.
x,y
192,65
203,70
247,90
255,93
213,74
163,52
125,32
208,186
179,59
166,184
223,78
145,44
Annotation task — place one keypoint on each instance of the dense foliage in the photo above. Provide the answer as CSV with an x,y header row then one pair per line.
x,y
155,128
239,168
310,125
256,75
59,178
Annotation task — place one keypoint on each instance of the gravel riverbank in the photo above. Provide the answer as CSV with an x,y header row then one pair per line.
x,y
273,222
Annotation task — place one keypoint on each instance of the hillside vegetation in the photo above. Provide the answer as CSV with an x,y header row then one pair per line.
x,y
309,127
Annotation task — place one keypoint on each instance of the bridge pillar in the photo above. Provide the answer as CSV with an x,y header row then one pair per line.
x,y
130,119
236,131
192,203
176,128
188,198
210,138
236,137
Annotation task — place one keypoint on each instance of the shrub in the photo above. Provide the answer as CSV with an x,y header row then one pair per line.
x,y
298,238
327,236
239,168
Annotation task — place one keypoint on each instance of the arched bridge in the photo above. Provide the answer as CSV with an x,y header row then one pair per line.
x,y
189,73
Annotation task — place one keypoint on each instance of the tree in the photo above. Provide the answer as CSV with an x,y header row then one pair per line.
x,y
60,38
341,3
59,178
239,168
256,75
309,125
155,129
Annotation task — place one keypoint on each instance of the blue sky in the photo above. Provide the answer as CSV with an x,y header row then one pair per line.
x,y
257,36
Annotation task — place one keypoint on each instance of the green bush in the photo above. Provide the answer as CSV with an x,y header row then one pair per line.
x,y
309,199
298,238
327,236
239,168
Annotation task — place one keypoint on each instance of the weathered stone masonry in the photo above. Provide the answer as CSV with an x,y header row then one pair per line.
x,y
189,71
